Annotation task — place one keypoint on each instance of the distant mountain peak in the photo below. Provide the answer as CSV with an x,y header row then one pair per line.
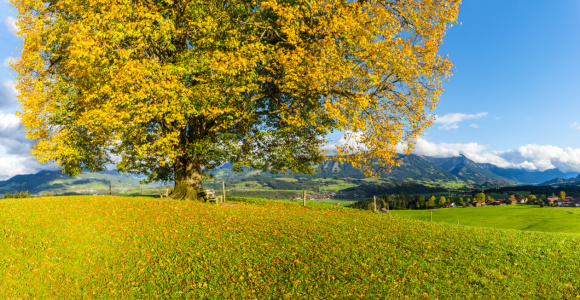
x,y
60,183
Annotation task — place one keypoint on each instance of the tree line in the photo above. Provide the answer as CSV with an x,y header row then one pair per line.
x,y
401,201
25,194
570,190
21,194
393,188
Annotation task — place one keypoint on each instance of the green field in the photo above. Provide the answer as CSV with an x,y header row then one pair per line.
x,y
520,217
99,247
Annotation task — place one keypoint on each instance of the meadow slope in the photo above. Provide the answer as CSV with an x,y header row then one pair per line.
x,y
114,247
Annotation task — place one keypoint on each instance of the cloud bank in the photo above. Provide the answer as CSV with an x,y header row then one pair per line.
x,y
16,145
12,137
17,165
529,157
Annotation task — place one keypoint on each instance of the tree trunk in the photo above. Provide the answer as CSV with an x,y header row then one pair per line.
x,y
188,180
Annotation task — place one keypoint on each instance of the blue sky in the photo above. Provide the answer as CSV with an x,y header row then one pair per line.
x,y
519,62
513,100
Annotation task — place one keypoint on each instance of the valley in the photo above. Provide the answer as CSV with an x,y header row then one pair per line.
x,y
414,175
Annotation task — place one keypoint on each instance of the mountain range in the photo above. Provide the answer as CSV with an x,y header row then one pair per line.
x,y
434,171
85,183
426,169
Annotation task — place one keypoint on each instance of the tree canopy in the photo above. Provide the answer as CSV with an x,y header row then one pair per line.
x,y
562,195
431,201
172,89
479,197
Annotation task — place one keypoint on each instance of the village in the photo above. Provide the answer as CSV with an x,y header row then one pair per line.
x,y
516,199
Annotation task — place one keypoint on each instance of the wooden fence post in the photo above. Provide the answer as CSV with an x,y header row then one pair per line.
x,y
304,197
431,215
375,202
224,191
110,194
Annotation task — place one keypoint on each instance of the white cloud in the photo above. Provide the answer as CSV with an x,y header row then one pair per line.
x,y
473,125
575,125
10,24
12,135
8,94
449,121
548,156
18,165
424,147
8,122
16,146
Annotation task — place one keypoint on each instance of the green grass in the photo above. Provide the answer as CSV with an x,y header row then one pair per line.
x,y
337,187
453,185
98,247
520,217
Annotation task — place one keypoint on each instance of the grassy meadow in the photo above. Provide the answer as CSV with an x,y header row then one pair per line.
x,y
100,247
520,217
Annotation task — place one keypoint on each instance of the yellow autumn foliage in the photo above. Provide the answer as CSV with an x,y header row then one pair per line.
x,y
175,88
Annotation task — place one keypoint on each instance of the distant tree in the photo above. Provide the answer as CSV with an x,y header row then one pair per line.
x,y
489,198
532,198
480,197
421,202
460,199
431,201
47,194
441,201
562,195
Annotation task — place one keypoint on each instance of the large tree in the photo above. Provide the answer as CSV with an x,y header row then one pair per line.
x,y
172,89
562,195
479,197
